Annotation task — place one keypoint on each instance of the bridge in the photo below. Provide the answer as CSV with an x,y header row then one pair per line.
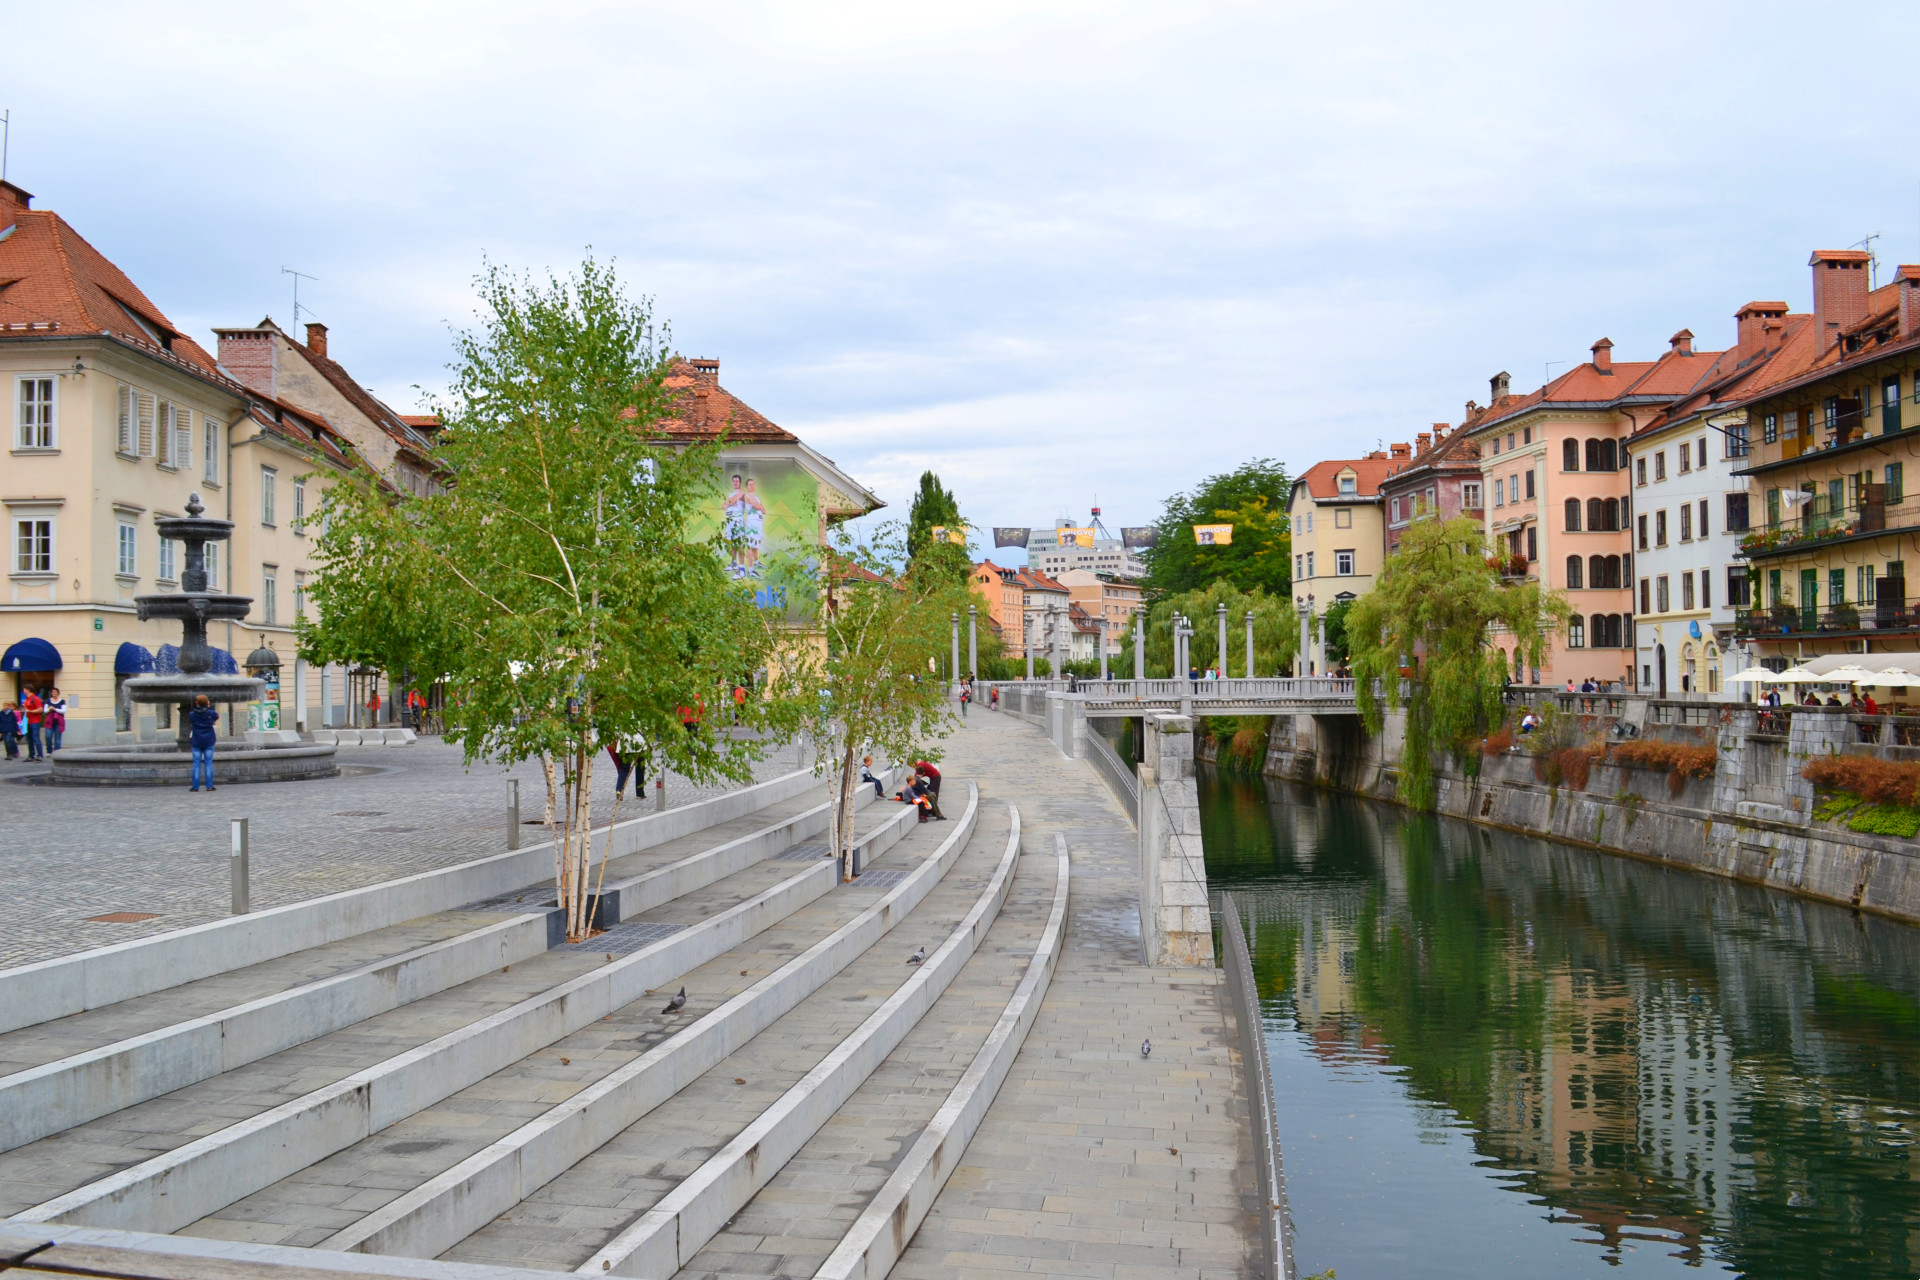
x,y
1275,696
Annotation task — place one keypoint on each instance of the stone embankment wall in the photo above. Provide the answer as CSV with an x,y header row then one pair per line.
x,y
1752,821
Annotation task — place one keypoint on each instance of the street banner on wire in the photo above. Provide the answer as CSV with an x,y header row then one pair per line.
x,y
1074,537
1213,535
943,534
1140,538
1006,537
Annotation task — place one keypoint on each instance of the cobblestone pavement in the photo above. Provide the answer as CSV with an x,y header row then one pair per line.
x,y
73,852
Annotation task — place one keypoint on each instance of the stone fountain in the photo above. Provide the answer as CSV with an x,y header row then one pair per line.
x,y
170,763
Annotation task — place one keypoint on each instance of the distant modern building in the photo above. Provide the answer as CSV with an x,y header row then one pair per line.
x,y
1105,597
1053,553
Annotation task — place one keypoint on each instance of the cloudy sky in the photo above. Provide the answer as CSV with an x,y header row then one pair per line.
x,y
1057,252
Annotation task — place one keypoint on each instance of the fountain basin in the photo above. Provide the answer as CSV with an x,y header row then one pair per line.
x,y
185,688
165,764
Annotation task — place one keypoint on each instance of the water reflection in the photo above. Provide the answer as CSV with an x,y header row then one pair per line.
x,y
1672,1070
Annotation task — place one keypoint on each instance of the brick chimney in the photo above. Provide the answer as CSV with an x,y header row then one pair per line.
x,y
707,369
13,200
1839,292
1908,278
317,339
1422,441
1499,382
1402,451
1603,356
1681,343
1440,430
1755,326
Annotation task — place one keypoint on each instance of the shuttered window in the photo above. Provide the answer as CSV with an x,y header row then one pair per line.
x,y
129,406
147,408
182,437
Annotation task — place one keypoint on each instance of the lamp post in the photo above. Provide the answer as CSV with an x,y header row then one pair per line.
x,y
1249,644
1026,637
953,666
1221,650
1103,648
973,640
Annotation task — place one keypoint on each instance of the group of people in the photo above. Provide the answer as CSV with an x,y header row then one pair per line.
x,y
921,790
1589,685
37,715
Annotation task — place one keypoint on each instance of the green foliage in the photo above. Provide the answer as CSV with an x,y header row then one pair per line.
x,y
552,587
1886,820
1334,625
1276,632
1834,807
1253,499
1429,616
935,507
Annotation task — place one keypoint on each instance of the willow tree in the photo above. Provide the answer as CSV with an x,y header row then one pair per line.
x,y
1419,642
1276,631
556,586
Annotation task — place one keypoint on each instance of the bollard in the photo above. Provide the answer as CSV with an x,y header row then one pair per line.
x,y
660,794
513,813
239,867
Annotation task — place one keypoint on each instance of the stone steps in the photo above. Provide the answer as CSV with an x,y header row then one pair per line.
x,y
226,1136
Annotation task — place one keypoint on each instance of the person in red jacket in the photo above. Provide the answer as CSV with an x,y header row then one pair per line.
x,y
926,770
32,711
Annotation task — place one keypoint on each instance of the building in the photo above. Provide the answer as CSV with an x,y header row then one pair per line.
x,y
1693,508
116,418
1107,599
1068,546
1833,529
1339,541
1441,479
1555,470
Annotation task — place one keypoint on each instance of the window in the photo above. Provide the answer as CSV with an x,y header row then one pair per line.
x,y
1706,589
164,567
1395,508
1569,455
1640,472
1613,513
1509,442
269,593
1738,445
1309,521
1533,542
1299,566
1500,492
1686,523
1573,515
299,506
300,594
1660,601
1773,507
1686,457
1896,482
1529,484
33,545
176,435
1790,425
1576,632
1343,518
35,418
267,478
1343,564
144,407
1700,451
1470,495
1496,446
1659,528
1686,591
1890,405
1770,429
128,562
1310,564
1660,466
1646,596
214,436
1573,573
1736,513
1836,587
1349,485
1643,533
1526,435
1739,587
1701,531
213,566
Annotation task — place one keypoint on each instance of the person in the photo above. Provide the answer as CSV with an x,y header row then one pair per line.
x,y
54,726
1811,700
867,775
1569,684
1833,700
373,709
1868,705
993,698
629,756
32,709
202,719
690,716
966,693
1528,723
924,769
918,794
10,729
416,707
739,701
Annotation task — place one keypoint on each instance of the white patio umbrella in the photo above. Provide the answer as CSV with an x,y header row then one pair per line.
x,y
1894,678
1798,675
1851,673
1752,675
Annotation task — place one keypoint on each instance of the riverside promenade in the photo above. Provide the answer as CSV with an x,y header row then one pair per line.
x,y
1093,1161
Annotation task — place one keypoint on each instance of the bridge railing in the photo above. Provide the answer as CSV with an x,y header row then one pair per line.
x,y
1274,688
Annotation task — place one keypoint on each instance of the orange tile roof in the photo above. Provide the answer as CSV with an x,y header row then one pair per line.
x,y
1320,481
703,408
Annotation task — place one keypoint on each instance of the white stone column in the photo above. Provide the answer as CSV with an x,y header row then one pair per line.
x,y
1176,925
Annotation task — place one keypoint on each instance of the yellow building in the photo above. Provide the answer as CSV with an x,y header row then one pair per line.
x,y
1339,542
115,417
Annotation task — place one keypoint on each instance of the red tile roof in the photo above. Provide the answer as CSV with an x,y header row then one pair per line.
x,y
1321,483
703,408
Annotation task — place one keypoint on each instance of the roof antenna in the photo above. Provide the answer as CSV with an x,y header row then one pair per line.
x,y
1873,263
1549,369
298,276
6,137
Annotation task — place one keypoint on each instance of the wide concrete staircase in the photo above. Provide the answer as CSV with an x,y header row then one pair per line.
x,y
464,1085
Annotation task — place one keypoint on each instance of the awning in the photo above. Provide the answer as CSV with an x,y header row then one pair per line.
x,y
30,655
132,660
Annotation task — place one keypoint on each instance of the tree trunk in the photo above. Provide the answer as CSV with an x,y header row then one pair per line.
x,y
843,813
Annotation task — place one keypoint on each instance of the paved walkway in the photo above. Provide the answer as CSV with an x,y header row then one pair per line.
x,y
1092,1161
73,852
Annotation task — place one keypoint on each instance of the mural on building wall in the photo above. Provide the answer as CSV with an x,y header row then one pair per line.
x,y
766,513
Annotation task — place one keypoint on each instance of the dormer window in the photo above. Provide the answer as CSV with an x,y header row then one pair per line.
x,y
1349,484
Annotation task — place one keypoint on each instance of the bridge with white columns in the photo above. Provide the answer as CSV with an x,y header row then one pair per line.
x,y
1063,707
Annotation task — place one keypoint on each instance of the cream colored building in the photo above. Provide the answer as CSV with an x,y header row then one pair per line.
x,y
1107,598
114,418
1339,542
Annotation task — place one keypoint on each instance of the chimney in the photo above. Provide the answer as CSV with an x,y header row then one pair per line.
x,y
1423,442
1839,292
1754,327
12,200
1681,343
708,369
1500,382
1440,430
1402,451
1908,278
1603,356
317,339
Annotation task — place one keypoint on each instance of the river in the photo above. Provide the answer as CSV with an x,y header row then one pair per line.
x,y
1497,1056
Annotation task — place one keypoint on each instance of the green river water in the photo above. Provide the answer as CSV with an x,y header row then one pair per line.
x,y
1496,1056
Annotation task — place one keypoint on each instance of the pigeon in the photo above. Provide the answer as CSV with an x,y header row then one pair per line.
x,y
678,1002
918,956
1146,1048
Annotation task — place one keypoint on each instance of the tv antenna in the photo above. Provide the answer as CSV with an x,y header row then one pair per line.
x,y
6,137
298,276
1549,369
1873,262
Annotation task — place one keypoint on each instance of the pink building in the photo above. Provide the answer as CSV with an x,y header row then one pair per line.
x,y
1439,476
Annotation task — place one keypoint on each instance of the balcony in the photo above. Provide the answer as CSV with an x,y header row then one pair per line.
x,y
1821,520
1902,615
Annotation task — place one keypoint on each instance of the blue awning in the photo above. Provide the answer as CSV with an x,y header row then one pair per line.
x,y
132,660
30,655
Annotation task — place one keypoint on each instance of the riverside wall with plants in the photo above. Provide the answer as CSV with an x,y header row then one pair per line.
x,y
1793,802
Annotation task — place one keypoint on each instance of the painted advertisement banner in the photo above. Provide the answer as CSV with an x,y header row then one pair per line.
x,y
766,510
1140,537
1213,535
1004,536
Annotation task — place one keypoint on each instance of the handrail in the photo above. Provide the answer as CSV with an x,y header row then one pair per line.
x,y
1119,775
1276,1234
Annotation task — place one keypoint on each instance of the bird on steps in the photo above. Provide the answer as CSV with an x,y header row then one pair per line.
x,y
678,1002
1146,1048
918,956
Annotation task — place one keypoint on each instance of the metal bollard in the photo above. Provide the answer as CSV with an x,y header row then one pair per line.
x,y
660,794
239,867
513,813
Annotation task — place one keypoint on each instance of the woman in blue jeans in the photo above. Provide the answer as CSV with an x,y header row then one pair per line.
x,y
203,718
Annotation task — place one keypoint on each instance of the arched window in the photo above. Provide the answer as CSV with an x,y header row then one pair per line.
x,y
1597,575
1573,515
1593,455
1569,455
1576,630
1607,462
1611,515
1573,573
1613,571
1596,514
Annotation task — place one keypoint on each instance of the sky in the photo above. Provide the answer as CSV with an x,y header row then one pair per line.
x,y
1058,253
